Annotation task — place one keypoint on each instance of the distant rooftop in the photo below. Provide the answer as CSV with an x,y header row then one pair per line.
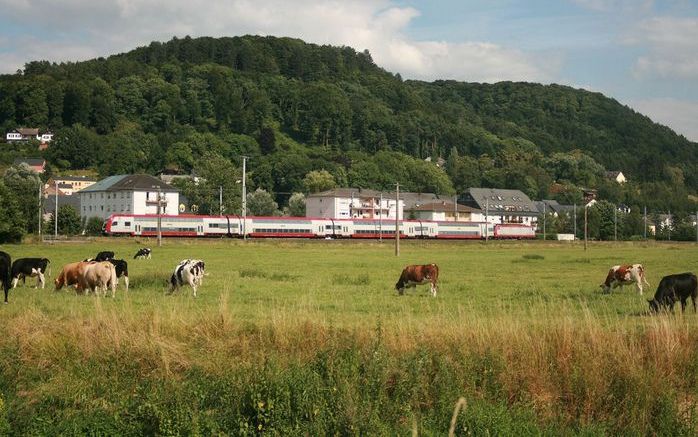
x,y
140,182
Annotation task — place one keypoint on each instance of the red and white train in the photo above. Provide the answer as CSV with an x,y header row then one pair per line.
x,y
307,227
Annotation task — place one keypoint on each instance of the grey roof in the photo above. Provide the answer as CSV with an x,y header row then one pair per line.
x,y
49,203
74,178
415,199
552,206
499,200
443,206
129,182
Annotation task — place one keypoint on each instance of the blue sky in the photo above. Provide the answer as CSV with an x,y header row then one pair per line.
x,y
644,53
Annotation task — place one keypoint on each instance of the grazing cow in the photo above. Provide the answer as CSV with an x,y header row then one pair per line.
x,y
121,268
189,271
24,267
143,252
675,287
96,276
625,274
416,275
70,275
5,265
104,256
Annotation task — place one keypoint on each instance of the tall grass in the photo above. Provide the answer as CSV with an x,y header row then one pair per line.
x,y
311,339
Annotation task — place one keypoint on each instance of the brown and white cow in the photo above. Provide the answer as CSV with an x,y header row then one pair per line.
x,y
625,274
417,275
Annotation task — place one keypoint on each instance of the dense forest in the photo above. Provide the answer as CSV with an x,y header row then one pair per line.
x,y
311,117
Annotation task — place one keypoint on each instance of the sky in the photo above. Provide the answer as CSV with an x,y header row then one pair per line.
x,y
643,53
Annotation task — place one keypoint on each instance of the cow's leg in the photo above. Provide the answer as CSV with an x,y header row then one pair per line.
x,y
41,280
193,287
126,283
14,282
433,289
639,287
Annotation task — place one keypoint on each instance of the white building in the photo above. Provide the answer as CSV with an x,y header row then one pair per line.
x,y
445,211
345,203
69,184
131,194
26,134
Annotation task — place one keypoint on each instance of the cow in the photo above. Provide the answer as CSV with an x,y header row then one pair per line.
x,y
104,256
121,268
624,275
70,275
97,276
188,271
416,275
142,253
5,269
24,267
675,287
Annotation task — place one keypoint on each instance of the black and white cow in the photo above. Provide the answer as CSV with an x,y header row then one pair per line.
x,y
104,256
5,266
143,252
189,271
32,267
121,268
674,288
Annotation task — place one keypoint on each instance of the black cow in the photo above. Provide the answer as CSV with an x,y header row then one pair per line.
x,y
143,252
24,267
5,266
121,268
675,287
104,256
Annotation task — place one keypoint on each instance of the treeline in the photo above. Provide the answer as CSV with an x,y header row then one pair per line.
x,y
294,108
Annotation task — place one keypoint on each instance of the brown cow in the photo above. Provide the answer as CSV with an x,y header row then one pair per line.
x,y
416,275
625,274
70,275
97,276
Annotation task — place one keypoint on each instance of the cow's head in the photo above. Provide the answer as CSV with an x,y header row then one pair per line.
x,y
654,305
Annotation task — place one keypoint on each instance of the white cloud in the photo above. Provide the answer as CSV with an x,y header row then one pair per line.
x,y
671,43
609,5
81,29
680,115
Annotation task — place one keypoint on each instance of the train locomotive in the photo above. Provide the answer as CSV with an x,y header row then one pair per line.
x,y
307,227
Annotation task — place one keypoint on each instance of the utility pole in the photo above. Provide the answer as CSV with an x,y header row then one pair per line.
x,y
644,230
55,215
487,220
159,217
244,199
586,227
380,219
40,212
669,225
220,200
544,218
575,220
696,226
455,207
397,219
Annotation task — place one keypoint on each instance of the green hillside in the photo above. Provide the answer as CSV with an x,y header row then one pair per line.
x,y
295,107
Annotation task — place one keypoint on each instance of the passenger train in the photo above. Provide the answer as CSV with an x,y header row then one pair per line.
x,y
307,227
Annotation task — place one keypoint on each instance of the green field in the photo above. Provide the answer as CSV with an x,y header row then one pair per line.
x,y
310,338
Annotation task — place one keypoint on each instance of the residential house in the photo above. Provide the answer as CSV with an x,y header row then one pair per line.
x,y
444,211
501,205
36,164
131,194
26,134
345,203
70,184
50,201
617,176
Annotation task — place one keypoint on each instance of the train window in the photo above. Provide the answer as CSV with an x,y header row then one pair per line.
x,y
127,224
114,223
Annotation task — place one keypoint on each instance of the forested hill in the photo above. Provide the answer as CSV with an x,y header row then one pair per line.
x,y
295,107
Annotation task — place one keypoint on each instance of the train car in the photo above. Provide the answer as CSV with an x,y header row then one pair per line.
x,y
461,230
371,228
146,225
282,227
513,231
420,229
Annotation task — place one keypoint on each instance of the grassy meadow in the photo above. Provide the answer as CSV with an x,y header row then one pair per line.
x,y
310,338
